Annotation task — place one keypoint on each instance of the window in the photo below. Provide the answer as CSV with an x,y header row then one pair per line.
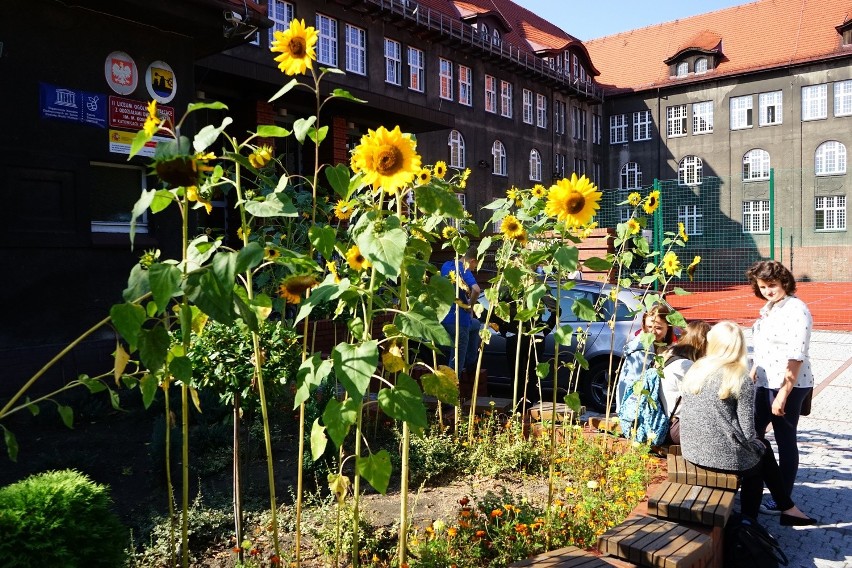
x,y
597,127
576,66
393,62
535,166
631,176
506,99
676,121
692,219
814,102
559,117
540,111
830,213
490,94
415,69
456,144
465,86
356,49
830,159
578,123
642,125
702,117
580,166
701,65
462,197
843,98
769,105
618,129
281,14
113,191
756,165
528,106
446,76
498,152
327,42
483,30
559,166
596,173
741,112
495,37
756,216
689,171
682,69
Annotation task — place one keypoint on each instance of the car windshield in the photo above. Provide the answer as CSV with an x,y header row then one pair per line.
x,y
567,298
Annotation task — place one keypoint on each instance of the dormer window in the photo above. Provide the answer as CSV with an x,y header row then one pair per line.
x,y
483,30
495,37
701,65
682,69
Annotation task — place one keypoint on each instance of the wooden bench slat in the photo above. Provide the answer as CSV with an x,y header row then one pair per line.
x,y
568,557
682,471
657,543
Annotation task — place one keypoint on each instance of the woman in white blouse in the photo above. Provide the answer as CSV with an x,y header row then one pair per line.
x,y
781,368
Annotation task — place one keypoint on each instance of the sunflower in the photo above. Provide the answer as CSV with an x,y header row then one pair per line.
x,y
271,254
294,287
193,194
634,199
512,228
424,176
681,232
260,157
387,158
671,264
296,46
690,270
463,178
633,227
343,209
539,191
356,260
573,201
513,193
152,125
332,269
449,232
440,169
652,202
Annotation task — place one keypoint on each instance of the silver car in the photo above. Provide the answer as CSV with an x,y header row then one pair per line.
x,y
600,342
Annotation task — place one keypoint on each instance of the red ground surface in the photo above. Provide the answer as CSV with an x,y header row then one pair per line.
x,y
828,301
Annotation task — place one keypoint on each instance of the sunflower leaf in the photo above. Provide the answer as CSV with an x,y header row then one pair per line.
x,y
272,131
376,469
318,135
354,365
208,135
338,178
302,126
344,94
404,401
284,90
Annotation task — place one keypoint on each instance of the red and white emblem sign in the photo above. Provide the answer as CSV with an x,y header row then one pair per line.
x,y
121,73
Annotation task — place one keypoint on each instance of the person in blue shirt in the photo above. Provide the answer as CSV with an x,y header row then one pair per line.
x,y
462,309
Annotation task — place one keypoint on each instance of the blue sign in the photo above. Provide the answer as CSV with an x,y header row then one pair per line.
x,y
69,104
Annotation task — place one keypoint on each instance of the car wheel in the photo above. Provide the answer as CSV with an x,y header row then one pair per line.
x,y
597,383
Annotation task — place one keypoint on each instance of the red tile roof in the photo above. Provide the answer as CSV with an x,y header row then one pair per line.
x,y
755,36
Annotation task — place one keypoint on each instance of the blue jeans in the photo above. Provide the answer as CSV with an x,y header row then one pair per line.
x,y
785,428
462,342
473,341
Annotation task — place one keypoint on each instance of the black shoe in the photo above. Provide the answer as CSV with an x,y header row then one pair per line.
x,y
791,521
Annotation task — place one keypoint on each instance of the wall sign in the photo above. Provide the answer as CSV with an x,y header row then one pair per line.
x,y
130,114
121,73
72,105
160,81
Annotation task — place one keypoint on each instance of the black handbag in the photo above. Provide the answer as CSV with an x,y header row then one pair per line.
x,y
806,402
749,545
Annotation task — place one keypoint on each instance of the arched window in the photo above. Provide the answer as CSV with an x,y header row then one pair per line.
x,y
498,152
631,176
682,69
700,65
756,165
495,37
456,144
535,165
689,171
483,30
830,159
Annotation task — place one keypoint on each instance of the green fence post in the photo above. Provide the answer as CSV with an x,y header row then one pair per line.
x,y
658,226
771,213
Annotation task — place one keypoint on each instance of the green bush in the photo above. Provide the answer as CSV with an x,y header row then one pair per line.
x,y
59,518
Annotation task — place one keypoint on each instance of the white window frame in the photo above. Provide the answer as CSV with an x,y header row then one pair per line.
x,y
641,125
618,129
771,107
702,117
416,69
756,165
356,49
455,141
535,165
578,117
843,98
393,62
498,153
742,110
579,166
830,159
689,171
490,94
505,99
559,116
575,66
596,173
281,13
756,217
559,165
682,69
100,226
327,41
540,110
815,102
597,128
701,66
527,96
829,213
692,218
630,176
465,85
676,121
445,74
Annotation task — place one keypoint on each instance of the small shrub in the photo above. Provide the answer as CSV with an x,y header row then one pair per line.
x,y
435,454
59,518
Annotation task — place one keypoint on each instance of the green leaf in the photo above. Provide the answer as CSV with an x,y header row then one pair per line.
x,y
261,305
302,126
376,469
310,375
422,323
404,401
181,369
33,408
161,201
676,319
128,319
596,264
93,385
275,205
385,249
567,258
542,370
11,444
338,417
442,294
165,284
442,387
212,289
148,386
433,199
572,401
114,400
354,365
318,440
579,358
272,131
562,335
139,142
680,291
626,258
249,256
584,310
323,238
215,105
139,209
318,135
153,346
328,290
344,94
67,414
137,284
513,275
284,90
338,179
208,135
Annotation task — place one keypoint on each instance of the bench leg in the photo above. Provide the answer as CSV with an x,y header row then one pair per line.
x,y
718,558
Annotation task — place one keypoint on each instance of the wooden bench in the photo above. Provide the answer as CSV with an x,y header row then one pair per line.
x,y
600,423
489,403
681,471
709,506
652,542
570,557
546,411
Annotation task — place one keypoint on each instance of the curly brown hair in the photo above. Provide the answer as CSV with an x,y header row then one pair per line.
x,y
770,271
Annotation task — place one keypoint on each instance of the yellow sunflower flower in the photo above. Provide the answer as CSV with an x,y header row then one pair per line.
x,y
260,157
573,201
343,209
296,46
193,194
634,199
652,202
356,260
681,232
511,227
539,191
513,193
633,227
294,287
270,253
387,158
332,269
424,176
449,232
690,270
463,179
152,121
243,235
440,169
671,264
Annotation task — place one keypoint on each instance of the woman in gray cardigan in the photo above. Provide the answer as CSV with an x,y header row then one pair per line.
x,y
717,424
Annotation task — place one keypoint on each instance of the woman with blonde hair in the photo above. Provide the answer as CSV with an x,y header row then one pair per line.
x,y
717,424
